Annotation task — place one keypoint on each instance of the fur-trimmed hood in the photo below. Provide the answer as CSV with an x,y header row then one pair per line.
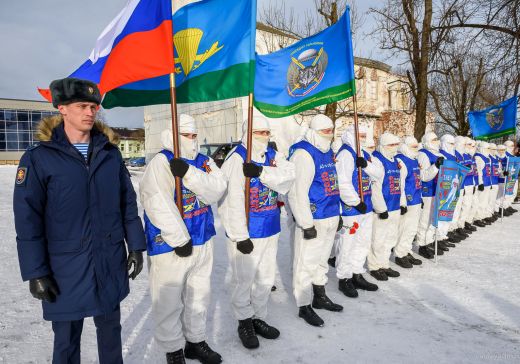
x,y
47,125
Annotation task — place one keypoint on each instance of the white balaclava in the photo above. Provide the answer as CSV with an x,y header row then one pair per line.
x,y
501,149
460,144
492,149
471,146
388,145
349,136
431,142
260,142
448,144
410,147
510,146
316,137
370,146
189,147
483,148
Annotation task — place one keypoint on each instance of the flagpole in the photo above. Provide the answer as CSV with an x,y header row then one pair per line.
x,y
249,145
358,147
175,129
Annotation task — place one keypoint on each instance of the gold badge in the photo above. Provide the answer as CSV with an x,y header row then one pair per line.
x,y
91,90
21,174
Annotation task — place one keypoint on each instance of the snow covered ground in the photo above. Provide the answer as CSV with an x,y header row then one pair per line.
x,y
464,310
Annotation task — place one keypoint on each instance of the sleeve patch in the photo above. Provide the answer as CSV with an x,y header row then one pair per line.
x,y
21,176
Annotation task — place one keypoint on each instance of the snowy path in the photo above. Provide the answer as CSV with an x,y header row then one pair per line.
x,y
465,310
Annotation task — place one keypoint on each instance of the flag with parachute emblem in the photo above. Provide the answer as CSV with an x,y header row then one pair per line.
x,y
214,45
315,71
495,121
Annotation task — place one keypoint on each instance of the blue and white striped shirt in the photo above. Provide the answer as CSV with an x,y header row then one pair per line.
x,y
82,148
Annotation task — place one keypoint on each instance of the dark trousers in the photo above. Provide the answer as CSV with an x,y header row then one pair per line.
x,y
67,339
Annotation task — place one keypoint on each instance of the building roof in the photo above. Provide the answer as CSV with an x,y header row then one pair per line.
x,y
19,104
126,133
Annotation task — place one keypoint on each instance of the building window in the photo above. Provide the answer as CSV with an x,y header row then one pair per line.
x,y
122,147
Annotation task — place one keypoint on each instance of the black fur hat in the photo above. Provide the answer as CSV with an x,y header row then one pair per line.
x,y
69,90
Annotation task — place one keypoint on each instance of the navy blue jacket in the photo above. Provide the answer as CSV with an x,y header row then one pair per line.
x,y
72,219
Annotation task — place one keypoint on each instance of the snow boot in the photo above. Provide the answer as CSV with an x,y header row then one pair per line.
x,y
453,238
480,223
447,243
176,357
488,221
347,287
441,246
379,274
439,251
462,235
264,330
311,317
391,273
426,252
321,301
332,262
361,283
403,262
202,352
413,259
246,333
468,226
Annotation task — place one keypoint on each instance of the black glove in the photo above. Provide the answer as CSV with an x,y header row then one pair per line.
x,y
506,173
481,187
361,207
251,170
422,204
383,215
310,233
179,167
340,224
439,162
245,246
404,210
44,288
185,250
361,162
135,259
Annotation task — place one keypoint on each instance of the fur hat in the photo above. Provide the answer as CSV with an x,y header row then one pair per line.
x,y
69,90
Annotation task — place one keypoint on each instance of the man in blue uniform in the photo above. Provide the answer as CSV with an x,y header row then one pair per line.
x,y
315,203
74,208
483,162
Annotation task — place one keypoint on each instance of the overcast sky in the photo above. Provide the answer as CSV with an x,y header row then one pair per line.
x,y
44,40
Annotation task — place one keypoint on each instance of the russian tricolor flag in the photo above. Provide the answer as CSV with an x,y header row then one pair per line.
x,y
136,45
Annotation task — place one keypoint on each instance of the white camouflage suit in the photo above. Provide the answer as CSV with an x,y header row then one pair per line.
x,y
252,275
482,210
179,286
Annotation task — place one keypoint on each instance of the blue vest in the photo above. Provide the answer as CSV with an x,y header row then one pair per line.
x,y
324,191
264,213
503,163
475,171
429,188
365,182
467,161
486,173
448,156
391,183
413,184
495,170
198,217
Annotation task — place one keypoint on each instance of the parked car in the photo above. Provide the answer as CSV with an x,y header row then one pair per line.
x,y
219,151
137,162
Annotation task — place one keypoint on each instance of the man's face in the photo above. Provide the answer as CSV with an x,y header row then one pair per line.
x,y
79,115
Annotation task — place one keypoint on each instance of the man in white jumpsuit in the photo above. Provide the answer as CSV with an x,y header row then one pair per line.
x,y
483,215
430,161
411,211
387,200
252,244
352,243
465,148
315,202
472,148
510,150
500,202
496,171
180,248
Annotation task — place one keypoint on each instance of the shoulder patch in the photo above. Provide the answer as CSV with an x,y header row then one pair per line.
x,y
21,176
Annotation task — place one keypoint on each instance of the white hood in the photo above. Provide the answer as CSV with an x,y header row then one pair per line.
x,y
448,143
409,147
429,144
384,145
312,135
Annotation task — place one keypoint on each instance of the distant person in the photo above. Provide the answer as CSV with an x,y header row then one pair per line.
x,y
74,208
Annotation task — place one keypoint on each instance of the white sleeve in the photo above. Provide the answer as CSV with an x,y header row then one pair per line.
x,y
480,169
345,166
404,172
378,200
428,171
209,187
157,197
374,172
231,207
279,178
299,193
